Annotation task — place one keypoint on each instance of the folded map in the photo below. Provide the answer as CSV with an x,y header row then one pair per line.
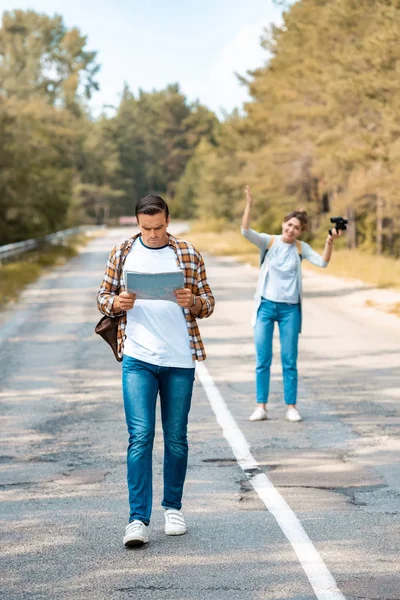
x,y
154,286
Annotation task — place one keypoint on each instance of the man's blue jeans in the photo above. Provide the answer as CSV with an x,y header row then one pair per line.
x,y
141,382
288,318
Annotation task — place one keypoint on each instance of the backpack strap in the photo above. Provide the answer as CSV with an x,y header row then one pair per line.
x,y
263,253
298,246
121,263
271,243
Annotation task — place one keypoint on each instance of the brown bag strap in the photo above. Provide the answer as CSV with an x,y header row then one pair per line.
x,y
121,264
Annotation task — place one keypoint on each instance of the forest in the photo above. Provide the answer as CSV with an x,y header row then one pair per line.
x,y
321,131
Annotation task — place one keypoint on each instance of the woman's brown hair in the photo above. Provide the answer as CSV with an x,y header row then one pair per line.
x,y
301,215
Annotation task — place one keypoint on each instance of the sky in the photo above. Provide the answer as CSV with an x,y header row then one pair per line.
x,y
151,43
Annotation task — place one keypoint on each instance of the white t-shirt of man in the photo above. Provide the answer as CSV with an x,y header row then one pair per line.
x,y
156,330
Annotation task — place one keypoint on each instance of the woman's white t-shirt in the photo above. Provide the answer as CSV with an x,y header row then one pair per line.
x,y
281,283
156,330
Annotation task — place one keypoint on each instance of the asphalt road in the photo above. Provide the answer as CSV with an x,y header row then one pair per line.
x,y
62,467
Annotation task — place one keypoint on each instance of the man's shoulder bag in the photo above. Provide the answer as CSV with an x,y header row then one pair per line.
x,y
107,327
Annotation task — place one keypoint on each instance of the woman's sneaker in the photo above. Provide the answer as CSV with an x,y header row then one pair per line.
x,y
136,534
174,522
292,414
260,414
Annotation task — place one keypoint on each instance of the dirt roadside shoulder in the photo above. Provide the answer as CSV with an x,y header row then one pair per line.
x,y
380,304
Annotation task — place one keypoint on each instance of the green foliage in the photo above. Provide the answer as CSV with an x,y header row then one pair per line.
x,y
59,167
321,131
156,134
209,186
41,58
45,74
15,275
36,167
97,192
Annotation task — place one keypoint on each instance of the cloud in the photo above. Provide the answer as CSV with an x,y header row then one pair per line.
x,y
244,53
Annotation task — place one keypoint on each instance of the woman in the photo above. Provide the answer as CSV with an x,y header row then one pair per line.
x,y
278,298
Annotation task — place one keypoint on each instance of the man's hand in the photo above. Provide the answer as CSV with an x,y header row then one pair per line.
x,y
124,301
184,297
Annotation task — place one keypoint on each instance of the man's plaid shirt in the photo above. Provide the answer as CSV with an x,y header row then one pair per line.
x,y
189,261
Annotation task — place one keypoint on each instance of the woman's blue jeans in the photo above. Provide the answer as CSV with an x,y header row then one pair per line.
x,y
288,318
141,383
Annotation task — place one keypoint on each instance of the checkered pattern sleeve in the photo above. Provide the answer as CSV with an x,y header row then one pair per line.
x,y
204,291
110,285
192,264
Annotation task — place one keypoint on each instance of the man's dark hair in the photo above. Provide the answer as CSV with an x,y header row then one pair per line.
x,y
151,205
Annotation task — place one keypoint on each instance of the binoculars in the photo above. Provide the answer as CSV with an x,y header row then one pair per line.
x,y
340,224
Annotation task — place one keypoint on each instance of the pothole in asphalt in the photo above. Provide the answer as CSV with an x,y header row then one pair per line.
x,y
42,459
230,462
245,486
82,477
384,587
19,484
220,462
5,460
351,493
164,588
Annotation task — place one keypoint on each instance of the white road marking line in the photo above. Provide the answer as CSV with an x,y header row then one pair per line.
x,y
314,567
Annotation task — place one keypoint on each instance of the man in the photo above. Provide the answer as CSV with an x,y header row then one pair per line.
x,y
159,341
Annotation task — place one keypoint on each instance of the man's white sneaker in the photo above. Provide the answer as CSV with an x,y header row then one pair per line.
x,y
260,414
174,522
136,534
292,414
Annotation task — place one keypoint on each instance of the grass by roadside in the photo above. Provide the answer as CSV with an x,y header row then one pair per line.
x,y
14,276
224,243
379,271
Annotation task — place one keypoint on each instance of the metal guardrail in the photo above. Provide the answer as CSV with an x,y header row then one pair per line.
x,y
11,251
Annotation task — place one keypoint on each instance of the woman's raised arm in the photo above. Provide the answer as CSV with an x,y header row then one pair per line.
x,y
247,210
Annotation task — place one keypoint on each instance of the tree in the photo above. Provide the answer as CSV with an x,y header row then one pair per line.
x,y
96,194
321,129
41,58
45,74
156,134
37,166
